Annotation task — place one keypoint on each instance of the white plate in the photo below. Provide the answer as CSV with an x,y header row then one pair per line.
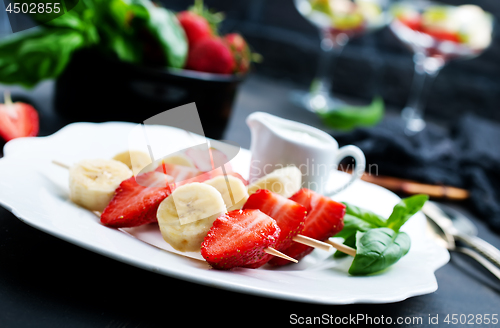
x,y
36,191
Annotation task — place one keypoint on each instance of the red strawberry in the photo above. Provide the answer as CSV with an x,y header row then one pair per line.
x,y
240,50
289,215
196,27
211,55
443,35
236,42
325,218
17,120
239,238
134,205
411,19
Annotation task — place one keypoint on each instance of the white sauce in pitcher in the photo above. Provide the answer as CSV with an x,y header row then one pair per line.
x,y
300,136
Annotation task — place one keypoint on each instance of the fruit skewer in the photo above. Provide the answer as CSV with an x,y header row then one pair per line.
x,y
215,192
298,238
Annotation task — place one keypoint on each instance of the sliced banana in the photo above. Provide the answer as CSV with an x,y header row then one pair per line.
x,y
285,181
92,183
179,160
187,214
135,160
233,191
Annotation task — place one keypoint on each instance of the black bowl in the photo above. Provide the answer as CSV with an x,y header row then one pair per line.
x,y
97,89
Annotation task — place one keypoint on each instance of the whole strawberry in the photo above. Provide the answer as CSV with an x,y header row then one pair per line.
x,y
199,22
240,50
211,55
195,26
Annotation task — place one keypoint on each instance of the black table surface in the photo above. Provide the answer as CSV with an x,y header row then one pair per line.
x,y
48,282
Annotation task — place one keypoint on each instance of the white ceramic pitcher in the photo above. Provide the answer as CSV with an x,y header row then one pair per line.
x,y
277,142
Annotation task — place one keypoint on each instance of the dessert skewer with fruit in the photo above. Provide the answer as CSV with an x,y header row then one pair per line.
x,y
155,202
135,205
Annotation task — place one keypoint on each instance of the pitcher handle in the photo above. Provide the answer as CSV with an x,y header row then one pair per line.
x,y
358,170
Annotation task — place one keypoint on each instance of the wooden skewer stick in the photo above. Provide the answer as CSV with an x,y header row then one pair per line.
x,y
343,248
61,164
272,251
301,239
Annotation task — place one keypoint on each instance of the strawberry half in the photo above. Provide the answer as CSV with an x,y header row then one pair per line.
x,y
289,215
17,120
133,204
325,218
238,239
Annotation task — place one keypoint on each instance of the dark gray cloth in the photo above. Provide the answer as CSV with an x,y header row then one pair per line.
x,y
467,156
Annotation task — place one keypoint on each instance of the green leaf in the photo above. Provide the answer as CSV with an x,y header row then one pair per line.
x,y
352,224
119,37
365,215
404,210
31,57
165,28
349,117
378,249
357,219
79,18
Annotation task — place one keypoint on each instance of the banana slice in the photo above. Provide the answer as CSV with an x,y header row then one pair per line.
x,y
187,214
134,159
92,183
179,160
285,181
233,191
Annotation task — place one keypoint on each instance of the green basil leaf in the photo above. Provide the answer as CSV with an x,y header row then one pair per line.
x,y
404,210
349,117
357,219
364,215
378,249
165,28
30,57
352,224
80,18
